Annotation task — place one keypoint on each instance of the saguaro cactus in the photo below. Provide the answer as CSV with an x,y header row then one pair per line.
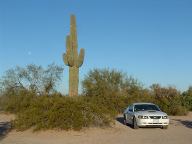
x,y
72,58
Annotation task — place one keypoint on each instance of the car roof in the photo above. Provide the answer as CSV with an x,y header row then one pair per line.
x,y
140,103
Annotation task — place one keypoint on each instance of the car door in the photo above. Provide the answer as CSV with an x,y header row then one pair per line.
x,y
130,114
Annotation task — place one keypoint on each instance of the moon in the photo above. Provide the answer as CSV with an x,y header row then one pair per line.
x,y
29,53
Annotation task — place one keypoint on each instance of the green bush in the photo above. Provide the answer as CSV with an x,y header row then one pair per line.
x,y
110,102
16,101
177,110
63,113
187,102
187,99
54,111
171,106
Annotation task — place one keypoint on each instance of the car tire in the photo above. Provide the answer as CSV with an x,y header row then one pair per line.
x,y
165,127
124,119
135,126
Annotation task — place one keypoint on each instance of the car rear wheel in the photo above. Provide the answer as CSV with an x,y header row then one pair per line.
x,y
135,126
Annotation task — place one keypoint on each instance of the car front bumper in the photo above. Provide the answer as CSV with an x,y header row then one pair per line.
x,y
152,122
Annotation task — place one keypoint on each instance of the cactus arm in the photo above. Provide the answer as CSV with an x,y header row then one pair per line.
x,y
68,59
69,56
81,57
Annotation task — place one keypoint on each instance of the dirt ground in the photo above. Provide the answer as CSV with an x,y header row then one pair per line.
x,y
179,132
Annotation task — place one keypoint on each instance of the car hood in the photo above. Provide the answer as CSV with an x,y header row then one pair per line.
x,y
151,113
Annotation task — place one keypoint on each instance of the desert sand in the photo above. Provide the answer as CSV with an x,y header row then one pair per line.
x,y
179,132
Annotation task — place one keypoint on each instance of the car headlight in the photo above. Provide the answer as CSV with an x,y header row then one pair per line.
x,y
142,117
164,117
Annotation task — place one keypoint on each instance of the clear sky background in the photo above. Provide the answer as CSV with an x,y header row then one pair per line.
x,y
148,39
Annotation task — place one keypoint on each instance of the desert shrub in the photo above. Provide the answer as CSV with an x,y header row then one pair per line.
x,y
110,88
173,106
15,101
102,82
113,103
169,99
177,110
187,99
63,113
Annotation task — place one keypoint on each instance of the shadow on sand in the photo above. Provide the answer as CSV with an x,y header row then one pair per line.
x,y
185,123
5,127
121,121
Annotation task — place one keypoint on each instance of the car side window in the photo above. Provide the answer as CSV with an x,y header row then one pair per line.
x,y
130,108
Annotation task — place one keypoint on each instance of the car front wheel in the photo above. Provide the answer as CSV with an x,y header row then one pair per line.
x,y
124,119
135,126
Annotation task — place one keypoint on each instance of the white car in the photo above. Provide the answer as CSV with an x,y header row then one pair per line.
x,y
145,114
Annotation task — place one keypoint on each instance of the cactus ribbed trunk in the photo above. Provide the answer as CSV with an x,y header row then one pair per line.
x,y
73,81
72,59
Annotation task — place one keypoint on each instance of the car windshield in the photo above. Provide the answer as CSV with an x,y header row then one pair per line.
x,y
146,107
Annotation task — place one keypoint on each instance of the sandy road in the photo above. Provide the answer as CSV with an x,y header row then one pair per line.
x,y
179,132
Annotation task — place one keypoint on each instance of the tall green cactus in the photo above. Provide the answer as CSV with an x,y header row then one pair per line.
x,y
72,58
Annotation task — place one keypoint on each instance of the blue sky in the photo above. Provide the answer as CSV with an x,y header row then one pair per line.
x,y
148,39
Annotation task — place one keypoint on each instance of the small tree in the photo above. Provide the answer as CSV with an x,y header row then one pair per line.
x,y
167,92
32,77
101,82
111,88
